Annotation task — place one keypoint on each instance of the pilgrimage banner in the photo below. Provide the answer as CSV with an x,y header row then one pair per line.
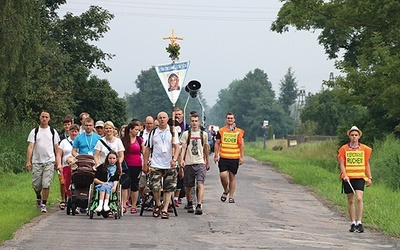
x,y
172,77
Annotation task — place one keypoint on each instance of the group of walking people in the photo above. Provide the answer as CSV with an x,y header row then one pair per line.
x,y
168,153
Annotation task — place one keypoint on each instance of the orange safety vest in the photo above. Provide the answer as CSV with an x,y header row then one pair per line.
x,y
230,142
355,160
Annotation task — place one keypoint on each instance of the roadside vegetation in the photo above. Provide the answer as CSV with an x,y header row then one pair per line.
x,y
17,204
314,165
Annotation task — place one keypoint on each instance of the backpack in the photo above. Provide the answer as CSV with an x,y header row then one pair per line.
x,y
205,149
53,131
151,134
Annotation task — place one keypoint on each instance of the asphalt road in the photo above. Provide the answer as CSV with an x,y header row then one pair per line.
x,y
270,213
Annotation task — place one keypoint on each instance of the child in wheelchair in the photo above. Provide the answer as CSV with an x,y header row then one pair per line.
x,y
106,180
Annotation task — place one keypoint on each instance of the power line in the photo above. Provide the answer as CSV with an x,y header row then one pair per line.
x,y
247,14
221,18
126,3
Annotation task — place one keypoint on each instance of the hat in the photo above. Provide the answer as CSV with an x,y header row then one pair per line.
x,y
99,124
354,128
109,123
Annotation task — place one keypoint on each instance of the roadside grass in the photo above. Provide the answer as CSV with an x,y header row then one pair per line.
x,y
17,206
314,165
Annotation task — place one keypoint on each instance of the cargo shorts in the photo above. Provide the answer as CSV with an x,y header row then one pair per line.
x,y
163,179
42,175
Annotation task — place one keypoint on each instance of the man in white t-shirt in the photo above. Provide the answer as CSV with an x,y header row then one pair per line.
x,y
41,157
164,150
194,160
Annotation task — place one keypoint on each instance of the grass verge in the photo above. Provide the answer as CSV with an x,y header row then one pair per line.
x,y
314,165
18,202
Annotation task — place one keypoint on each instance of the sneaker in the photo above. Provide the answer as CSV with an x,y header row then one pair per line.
x,y
190,209
43,208
352,228
106,208
39,203
360,228
77,210
98,209
128,203
176,202
199,211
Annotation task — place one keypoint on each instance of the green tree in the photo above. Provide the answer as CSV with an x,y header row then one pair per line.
x,y
328,112
368,35
252,100
288,91
19,53
96,97
76,34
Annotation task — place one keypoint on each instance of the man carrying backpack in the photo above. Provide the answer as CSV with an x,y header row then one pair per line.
x,y
40,157
164,149
194,160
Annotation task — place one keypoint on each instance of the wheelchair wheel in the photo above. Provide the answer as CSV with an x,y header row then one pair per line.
x,y
120,205
91,196
91,214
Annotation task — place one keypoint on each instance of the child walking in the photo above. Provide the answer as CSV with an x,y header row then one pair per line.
x,y
106,180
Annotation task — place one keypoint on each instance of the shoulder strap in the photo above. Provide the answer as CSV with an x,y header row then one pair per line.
x,y
149,142
140,140
202,137
188,138
52,130
105,144
36,131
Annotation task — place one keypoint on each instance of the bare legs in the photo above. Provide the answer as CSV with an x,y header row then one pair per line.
x,y
228,181
355,212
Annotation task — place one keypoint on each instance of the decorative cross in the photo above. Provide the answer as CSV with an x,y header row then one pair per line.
x,y
173,38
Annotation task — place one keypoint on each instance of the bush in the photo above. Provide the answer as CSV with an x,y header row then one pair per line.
x,y
13,146
385,162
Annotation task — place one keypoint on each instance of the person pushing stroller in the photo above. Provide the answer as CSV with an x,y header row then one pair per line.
x,y
106,180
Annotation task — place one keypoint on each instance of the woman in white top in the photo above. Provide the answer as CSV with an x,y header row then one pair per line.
x,y
109,141
63,152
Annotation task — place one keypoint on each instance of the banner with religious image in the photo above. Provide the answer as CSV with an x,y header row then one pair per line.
x,y
172,77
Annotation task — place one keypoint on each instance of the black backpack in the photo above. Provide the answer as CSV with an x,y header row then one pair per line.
x,y
53,131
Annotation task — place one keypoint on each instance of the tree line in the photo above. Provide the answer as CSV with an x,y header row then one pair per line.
x,y
363,36
46,63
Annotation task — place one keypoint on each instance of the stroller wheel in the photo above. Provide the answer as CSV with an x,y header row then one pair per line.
x,y
68,207
73,208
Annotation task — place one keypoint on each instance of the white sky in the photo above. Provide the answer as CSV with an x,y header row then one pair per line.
x,y
223,39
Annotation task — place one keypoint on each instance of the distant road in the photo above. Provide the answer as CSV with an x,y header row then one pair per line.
x,y
270,213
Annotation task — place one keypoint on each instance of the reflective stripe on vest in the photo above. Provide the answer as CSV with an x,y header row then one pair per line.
x,y
229,145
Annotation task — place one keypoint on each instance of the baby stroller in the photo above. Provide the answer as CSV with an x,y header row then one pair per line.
x,y
82,178
115,202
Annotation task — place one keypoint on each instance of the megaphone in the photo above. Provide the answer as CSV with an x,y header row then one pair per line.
x,y
192,88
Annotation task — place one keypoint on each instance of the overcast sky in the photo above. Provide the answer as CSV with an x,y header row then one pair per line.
x,y
223,40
